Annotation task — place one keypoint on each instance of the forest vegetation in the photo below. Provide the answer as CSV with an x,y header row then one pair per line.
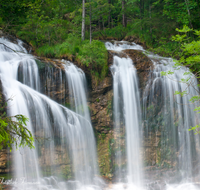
x,y
73,29
69,29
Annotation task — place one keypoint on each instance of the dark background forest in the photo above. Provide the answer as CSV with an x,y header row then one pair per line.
x,y
54,27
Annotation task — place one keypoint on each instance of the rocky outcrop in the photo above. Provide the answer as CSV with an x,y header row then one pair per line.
x,y
100,103
141,62
5,161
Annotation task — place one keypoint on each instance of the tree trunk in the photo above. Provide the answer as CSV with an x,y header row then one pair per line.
x,y
83,22
150,20
188,10
123,14
90,22
141,9
141,12
109,16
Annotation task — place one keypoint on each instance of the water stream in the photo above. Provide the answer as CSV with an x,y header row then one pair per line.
x,y
65,145
65,149
166,119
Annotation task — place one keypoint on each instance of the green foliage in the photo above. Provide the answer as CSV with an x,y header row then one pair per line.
x,y
13,131
181,93
190,57
53,27
45,23
195,129
197,108
178,10
163,73
94,55
195,99
118,33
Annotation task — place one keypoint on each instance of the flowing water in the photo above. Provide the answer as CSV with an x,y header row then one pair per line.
x,y
127,112
65,145
166,119
65,154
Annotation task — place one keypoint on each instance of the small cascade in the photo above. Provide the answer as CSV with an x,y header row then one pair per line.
x,y
166,119
64,156
127,119
78,101
173,116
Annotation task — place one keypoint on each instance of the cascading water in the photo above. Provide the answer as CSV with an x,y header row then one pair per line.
x,y
166,120
77,85
65,143
173,116
127,113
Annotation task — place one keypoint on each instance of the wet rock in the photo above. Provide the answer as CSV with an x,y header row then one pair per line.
x,y
135,40
143,65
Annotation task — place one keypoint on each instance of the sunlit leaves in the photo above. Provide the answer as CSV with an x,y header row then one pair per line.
x,y
197,109
187,73
163,73
195,128
185,29
13,130
195,98
179,38
180,93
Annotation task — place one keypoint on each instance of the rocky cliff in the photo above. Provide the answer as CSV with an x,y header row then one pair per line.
x,y
100,102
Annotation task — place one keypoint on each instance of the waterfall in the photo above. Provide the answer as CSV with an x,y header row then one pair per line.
x,y
166,119
127,113
174,115
77,85
64,145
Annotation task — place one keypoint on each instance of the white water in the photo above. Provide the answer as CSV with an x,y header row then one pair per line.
x,y
55,121
178,117
77,88
49,121
127,112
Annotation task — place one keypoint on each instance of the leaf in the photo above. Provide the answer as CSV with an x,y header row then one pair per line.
x,y
180,93
185,29
195,98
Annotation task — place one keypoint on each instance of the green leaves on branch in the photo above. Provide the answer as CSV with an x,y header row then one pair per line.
x,y
163,73
195,99
190,57
185,29
197,109
180,93
195,129
13,131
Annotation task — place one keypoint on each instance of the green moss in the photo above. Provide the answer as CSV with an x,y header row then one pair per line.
x,y
67,104
6,176
109,107
104,154
66,173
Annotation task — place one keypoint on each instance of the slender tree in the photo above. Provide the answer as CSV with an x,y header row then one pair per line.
x,y
188,10
109,14
83,21
90,22
123,14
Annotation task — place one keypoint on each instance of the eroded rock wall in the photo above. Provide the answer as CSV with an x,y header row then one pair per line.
x,y
100,102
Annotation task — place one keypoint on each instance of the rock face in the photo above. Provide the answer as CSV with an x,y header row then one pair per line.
x,y
5,155
100,102
5,161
